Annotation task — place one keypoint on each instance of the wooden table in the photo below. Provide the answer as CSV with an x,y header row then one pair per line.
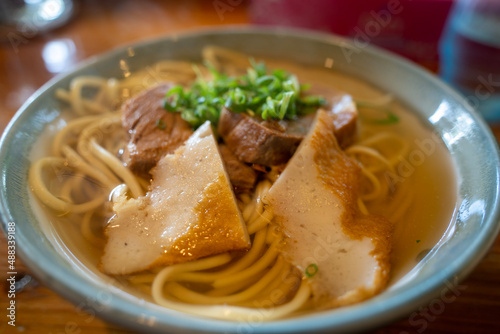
x,y
102,24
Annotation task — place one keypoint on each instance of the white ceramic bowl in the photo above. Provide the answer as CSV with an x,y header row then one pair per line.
x,y
472,147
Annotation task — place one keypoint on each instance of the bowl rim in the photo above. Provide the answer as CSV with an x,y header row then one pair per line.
x,y
121,313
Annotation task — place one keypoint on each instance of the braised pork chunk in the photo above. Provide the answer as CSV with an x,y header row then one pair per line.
x,y
151,131
271,143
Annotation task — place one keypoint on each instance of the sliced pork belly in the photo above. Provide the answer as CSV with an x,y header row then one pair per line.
x,y
315,202
151,131
190,212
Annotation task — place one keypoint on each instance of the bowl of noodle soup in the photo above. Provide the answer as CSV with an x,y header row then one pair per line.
x,y
419,145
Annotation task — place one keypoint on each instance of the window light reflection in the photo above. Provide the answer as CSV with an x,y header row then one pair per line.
x,y
467,210
58,55
441,112
460,124
51,9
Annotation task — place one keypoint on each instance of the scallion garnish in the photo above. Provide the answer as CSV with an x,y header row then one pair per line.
x,y
160,124
312,270
276,95
379,115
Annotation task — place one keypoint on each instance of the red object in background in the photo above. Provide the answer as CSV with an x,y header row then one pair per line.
x,y
411,28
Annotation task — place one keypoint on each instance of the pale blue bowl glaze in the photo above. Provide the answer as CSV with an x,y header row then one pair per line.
x,y
473,149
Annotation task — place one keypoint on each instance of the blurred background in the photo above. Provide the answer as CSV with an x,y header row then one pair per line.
x,y
457,40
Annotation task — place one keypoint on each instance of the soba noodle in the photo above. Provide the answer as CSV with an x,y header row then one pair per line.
x,y
83,174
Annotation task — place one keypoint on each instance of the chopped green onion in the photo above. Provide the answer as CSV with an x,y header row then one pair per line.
x,y
285,101
269,96
176,96
313,100
380,115
312,270
305,86
160,124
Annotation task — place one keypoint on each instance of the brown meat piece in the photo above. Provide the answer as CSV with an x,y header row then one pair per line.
x,y
345,127
345,120
271,143
242,176
151,130
256,142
